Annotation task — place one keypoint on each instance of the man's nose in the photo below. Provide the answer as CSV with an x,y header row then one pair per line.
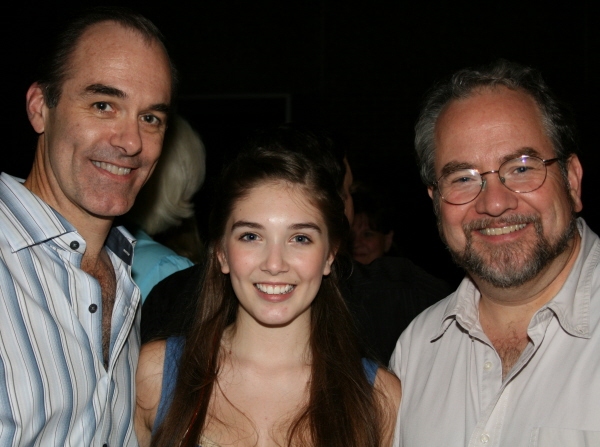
x,y
495,198
127,136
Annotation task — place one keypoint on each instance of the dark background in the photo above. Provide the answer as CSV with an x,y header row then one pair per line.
x,y
358,70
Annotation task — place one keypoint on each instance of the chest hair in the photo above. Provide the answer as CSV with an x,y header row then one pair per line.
x,y
103,270
509,347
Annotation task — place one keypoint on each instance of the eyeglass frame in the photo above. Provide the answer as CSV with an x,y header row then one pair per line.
x,y
497,171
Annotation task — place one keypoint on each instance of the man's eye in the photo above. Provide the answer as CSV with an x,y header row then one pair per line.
x,y
463,179
151,119
102,106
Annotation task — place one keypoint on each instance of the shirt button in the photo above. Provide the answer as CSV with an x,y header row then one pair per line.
x,y
485,438
74,245
487,365
93,308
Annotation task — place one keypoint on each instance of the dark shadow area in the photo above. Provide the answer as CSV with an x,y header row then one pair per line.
x,y
358,71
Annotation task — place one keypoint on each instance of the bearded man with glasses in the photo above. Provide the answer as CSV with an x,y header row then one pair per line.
x,y
511,357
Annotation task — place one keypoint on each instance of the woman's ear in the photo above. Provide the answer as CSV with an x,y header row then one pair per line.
x,y
223,261
328,262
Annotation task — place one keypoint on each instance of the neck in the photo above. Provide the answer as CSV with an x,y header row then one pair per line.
x,y
251,341
520,303
93,229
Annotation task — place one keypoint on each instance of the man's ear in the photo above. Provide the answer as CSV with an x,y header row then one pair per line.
x,y
36,107
430,192
223,261
575,175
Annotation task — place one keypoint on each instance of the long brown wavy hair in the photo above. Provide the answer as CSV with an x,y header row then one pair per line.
x,y
343,409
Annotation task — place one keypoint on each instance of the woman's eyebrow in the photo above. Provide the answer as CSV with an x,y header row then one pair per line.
x,y
305,225
246,224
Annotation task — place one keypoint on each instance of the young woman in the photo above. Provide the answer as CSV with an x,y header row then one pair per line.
x,y
272,359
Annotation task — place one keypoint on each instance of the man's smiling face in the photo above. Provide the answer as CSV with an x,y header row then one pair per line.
x,y
102,140
503,237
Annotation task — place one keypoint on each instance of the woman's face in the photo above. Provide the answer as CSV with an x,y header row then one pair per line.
x,y
276,251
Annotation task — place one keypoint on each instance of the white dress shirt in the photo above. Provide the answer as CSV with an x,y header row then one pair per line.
x,y
54,387
452,388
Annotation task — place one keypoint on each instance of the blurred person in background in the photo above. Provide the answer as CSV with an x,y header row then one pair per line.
x,y
164,209
372,232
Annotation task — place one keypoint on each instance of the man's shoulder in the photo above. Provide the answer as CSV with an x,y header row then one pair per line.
x,y
429,322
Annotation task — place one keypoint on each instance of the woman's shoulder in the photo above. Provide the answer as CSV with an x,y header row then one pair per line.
x,y
150,370
389,385
390,391
148,381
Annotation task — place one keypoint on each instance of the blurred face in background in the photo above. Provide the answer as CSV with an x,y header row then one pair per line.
x,y
368,244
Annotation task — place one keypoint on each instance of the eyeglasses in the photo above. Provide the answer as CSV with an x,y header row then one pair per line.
x,y
522,174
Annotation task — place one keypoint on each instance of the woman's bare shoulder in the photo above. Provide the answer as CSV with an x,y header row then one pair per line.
x,y
148,381
390,391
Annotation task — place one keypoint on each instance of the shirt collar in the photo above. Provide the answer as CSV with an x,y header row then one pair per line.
x,y
570,305
32,221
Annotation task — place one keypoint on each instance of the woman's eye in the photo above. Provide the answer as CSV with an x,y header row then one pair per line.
x,y
302,239
249,237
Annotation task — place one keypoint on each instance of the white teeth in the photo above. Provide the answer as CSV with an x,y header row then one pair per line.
x,y
112,168
274,290
502,230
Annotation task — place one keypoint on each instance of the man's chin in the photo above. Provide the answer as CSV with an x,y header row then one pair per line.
x,y
514,263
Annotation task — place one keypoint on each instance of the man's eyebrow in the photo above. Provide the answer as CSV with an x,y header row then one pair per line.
x,y
454,166
101,89
519,152
164,108
306,226
107,90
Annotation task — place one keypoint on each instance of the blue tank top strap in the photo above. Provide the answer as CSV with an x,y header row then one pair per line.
x,y
370,370
173,352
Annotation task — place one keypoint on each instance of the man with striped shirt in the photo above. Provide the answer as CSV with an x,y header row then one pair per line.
x,y
69,314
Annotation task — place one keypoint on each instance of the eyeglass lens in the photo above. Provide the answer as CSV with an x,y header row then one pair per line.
x,y
522,174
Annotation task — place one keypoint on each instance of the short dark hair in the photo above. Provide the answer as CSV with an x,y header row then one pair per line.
x,y
54,67
556,116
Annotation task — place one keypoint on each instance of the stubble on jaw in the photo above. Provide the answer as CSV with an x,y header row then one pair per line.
x,y
511,264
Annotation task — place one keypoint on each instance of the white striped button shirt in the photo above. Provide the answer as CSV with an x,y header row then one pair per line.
x,y
54,387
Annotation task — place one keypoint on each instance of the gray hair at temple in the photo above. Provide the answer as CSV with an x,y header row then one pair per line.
x,y
556,117
167,198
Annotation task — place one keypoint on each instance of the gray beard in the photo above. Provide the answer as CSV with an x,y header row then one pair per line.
x,y
515,263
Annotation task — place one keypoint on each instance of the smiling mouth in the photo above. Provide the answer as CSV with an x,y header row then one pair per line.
x,y
502,230
116,170
275,290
